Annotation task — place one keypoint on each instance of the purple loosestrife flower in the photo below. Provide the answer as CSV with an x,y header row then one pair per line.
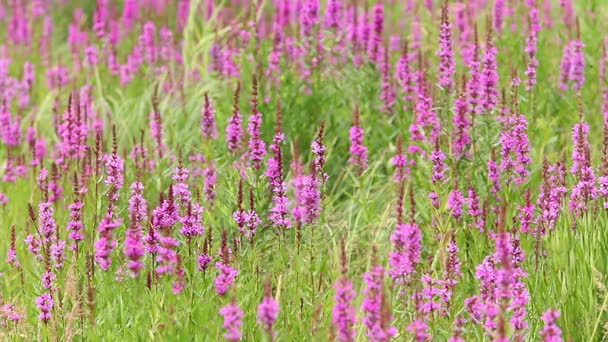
x,y
164,218
333,14
192,221
462,138
405,76
274,172
427,300
439,167
499,13
577,71
585,189
234,130
343,312
138,213
57,253
377,38
604,79
503,293
105,244
569,14
572,67
274,58
526,214
309,16
318,150
459,323
551,332
550,197
75,224
240,215
407,246
268,311
181,192
456,202
603,180
387,93
45,303
34,245
204,259
208,123
10,313
11,255
532,47
489,76
252,217
233,321
447,65
10,132
167,254
210,174
426,126
156,126
225,278
400,162
307,199
452,272
565,67
377,316
257,147
115,167
227,274
358,151
494,175
48,226
419,328
474,94
515,149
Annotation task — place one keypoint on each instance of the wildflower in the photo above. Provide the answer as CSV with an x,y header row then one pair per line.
x,y
404,74
419,328
407,247
374,306
106,243
11,255
455,204
551,332
274,172
462,138
584,190
257,147
333,14
343,312
181,192
234,131
489,76
192,221
438,160
400,163
208,124
210,174
227,274
358,151
268,311
447,66
233,321
45,304
134,247
387,93
374,45
75,224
